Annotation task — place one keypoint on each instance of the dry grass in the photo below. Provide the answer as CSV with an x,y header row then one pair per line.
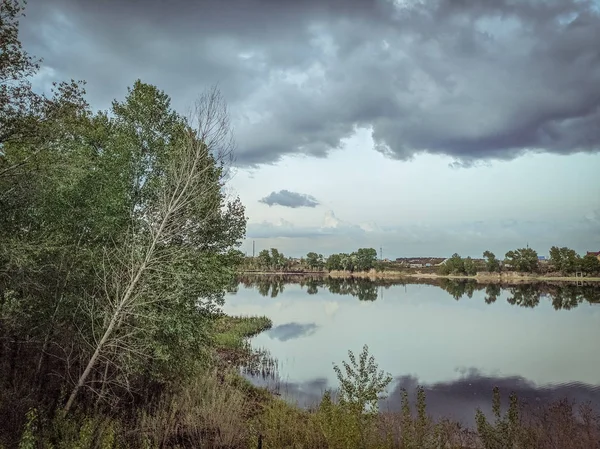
x,y
210,412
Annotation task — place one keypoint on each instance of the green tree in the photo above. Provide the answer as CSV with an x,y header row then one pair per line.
x,y
264,259
469,267
507,431
366,258
179,219
361,383
454,265
25,116
315,261
334,262
565,259
277,259
590,264
523,260
491,263
348,261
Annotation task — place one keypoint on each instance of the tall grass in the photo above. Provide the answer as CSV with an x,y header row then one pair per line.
x,y
232,332
217,408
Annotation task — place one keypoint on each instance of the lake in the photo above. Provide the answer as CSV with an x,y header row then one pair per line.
x,y
458,339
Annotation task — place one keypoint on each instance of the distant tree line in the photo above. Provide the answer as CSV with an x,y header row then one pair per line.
x,y
525,260
363,259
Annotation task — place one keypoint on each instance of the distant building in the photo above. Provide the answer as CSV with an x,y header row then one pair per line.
x,y
542,258
594,253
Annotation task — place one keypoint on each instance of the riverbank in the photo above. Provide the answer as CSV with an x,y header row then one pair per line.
x,y
275,423
480,277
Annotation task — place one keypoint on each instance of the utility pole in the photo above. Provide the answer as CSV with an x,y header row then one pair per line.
x,y
253,242
381,253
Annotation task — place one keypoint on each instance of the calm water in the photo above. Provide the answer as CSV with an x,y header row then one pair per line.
x,y
457,339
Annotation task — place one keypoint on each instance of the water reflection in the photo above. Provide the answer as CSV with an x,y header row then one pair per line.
x,y
457,338
288,331
457,399
563,295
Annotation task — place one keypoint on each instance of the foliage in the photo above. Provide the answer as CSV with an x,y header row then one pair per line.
x,y
361,384
366,259
470,268
117,237
590,264
334,262
264,258
455,265
315,261
492,264
277,259
507,431
565,259
230,331
524,260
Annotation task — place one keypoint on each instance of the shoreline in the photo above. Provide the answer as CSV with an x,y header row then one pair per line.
x,y
483,277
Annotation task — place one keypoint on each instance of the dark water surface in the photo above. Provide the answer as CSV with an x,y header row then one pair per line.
x,y
458,339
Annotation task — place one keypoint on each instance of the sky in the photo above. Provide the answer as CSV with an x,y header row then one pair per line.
x,y
420,127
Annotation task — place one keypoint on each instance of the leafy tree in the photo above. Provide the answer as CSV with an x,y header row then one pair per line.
x,y
454,265
590,264
523,259
366,258
180,221
469,267
26,116
315,261
348,261
16,67
264,259
507,431
492,264
277,259
361,383
334,262
565,259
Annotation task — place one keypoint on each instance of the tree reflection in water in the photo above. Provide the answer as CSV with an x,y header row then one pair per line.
x,y
563,295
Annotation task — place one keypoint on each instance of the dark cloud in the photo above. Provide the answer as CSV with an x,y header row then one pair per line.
x,y
473,79
290,331
290,199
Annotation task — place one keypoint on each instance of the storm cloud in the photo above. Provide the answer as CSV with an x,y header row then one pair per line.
x,y
472,79
290,199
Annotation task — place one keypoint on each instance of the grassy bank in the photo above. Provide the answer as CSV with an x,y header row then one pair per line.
x,y
231,332
218,408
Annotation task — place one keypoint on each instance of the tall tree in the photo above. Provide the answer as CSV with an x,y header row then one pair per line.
x,y
264,259
277,259
590,264
523,259
469,267
492,264
366,258
333,262
565,259
178,244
